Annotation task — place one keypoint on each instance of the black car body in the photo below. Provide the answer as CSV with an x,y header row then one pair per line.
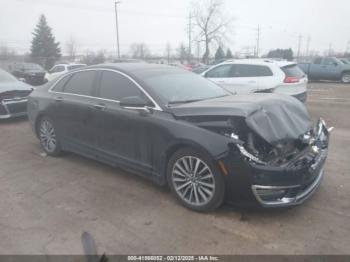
x,y
13,96
257,148
30,73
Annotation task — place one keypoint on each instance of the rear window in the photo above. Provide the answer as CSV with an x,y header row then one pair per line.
x,y
239,70
293,71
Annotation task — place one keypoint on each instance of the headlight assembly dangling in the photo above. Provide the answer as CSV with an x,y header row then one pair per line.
x,y
245,153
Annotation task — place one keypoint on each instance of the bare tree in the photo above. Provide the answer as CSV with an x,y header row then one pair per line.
x,y
71,47
211,23
139,50
6,52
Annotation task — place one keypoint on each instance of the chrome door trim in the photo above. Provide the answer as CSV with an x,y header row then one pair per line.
x,y
156,106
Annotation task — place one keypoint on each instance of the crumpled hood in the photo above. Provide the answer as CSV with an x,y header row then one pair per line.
x,y
14,86
274,117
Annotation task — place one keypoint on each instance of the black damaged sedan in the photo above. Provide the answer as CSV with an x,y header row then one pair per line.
x,y
177,128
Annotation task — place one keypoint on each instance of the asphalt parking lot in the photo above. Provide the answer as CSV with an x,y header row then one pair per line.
x,y
47,203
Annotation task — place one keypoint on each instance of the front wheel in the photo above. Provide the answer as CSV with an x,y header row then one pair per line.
x,y
195,181
345,78
48,138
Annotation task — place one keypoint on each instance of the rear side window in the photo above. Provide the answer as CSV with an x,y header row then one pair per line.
x,y
115,86
318,61
80,83
59,86
293,71
250,71
222,71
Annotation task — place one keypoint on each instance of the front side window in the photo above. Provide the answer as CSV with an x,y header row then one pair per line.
x,y
222,71
250,71
80,83
59,86
329,61
115,86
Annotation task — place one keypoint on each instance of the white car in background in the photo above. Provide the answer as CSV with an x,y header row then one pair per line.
x,y
246,76
61,69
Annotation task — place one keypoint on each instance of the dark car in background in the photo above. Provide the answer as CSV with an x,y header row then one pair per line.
x,y
13,96
30,73
177,128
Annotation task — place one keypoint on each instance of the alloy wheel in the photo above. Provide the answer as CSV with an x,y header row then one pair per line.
x,y
193,180
346,78
47,136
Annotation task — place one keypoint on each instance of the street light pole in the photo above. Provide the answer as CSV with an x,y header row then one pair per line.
x,y
116,25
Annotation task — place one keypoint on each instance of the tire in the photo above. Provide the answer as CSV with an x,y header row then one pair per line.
x,y
345,78
47,136
186,179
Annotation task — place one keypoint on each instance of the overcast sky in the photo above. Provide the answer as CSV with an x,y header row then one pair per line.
x,y
156,22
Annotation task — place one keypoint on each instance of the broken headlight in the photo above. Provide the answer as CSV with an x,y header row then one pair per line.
x,y
245,153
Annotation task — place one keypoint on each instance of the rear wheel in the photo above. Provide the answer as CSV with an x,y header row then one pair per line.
x,y
345,78
48,138
195,181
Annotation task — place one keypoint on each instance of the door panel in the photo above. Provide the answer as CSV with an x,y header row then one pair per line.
x,y
71,109
121,135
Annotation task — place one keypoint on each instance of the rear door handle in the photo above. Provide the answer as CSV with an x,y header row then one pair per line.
x,y
100,107
59,99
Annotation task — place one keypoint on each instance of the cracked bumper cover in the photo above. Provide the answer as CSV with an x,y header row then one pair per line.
x,y
278,186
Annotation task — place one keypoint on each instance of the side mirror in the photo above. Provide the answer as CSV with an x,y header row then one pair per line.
x,y
134,102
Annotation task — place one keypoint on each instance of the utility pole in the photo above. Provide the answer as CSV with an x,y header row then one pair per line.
x,y
116,25
300,38
258,42
189,35
330,49
198,50
308,46
347,47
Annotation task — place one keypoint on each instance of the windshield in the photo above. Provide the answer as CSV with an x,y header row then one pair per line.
x,y
30,66
184,88
6,77
72,67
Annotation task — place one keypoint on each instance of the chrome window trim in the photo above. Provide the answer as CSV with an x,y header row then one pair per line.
x,y
156,106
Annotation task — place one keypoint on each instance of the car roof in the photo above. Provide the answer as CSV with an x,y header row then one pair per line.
x,y
260,61
140,69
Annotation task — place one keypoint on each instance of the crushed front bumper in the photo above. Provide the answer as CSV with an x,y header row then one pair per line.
x,y
280,186
10,108
288,195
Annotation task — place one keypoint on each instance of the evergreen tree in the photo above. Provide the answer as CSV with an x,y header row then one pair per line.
x,y
44,50
229,54
219,54
281,53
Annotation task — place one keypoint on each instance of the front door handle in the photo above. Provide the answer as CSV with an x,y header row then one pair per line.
x,y
100,107
59,99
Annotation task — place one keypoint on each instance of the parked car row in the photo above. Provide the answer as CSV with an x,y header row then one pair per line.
x,y
180,129
259,76
36,75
